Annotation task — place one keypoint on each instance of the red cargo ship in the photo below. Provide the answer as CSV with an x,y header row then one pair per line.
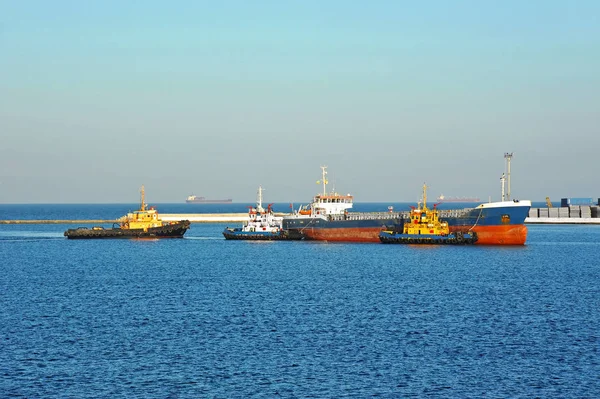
x,y
327,218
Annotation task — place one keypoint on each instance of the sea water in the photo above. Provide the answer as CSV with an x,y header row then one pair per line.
x,y
205,317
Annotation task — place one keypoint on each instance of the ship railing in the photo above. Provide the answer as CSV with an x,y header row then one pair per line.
x,y
370,215
452,213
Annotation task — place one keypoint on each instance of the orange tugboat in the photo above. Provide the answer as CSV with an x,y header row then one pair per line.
x,y
143,223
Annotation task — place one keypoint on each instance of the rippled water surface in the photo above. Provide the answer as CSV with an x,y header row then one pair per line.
x,y
205,317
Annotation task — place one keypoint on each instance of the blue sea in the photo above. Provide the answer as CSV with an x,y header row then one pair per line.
x,y
202,317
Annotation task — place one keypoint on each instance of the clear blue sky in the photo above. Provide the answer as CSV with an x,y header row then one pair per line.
x,y
215,98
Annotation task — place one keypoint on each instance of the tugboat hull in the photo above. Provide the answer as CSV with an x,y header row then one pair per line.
x,y
172,230
239,234
458,238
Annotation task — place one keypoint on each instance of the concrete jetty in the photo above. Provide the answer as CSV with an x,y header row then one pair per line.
x,y
57,221
205,217
167,217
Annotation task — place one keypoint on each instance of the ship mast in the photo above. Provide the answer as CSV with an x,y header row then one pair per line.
x,y
424,196
508,157
323,179
143,195
259,207
502,180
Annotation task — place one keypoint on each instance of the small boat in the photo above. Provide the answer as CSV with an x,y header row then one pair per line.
x,y
262,224
425,227
143,223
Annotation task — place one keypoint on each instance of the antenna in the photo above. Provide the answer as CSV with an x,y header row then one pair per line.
x,y
508,157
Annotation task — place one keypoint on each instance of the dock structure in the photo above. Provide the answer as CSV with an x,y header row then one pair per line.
x,y
572,214
529,220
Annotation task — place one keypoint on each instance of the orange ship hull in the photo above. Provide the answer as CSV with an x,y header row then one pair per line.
x,y
496,223
486,235
513,234
346,234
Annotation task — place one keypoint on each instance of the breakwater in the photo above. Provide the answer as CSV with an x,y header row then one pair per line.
x,y
167,217
56,221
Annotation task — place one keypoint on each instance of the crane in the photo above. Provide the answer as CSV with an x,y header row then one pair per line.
x,y
548,202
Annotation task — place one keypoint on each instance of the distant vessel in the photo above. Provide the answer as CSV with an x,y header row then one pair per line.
x,y
262,224
192,199
143,223
443,198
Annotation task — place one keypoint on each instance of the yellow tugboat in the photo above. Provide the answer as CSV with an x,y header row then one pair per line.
x,y
425,227
143,223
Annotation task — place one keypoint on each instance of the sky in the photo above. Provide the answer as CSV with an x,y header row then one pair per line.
x,y
216,98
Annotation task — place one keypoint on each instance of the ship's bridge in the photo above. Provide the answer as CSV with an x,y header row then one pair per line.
x,y
332,204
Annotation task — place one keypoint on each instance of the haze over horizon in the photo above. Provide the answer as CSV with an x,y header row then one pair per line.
x,y
215,99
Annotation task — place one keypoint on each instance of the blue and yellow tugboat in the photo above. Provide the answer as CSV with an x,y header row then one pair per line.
x,y
262,224
425,227
143,223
